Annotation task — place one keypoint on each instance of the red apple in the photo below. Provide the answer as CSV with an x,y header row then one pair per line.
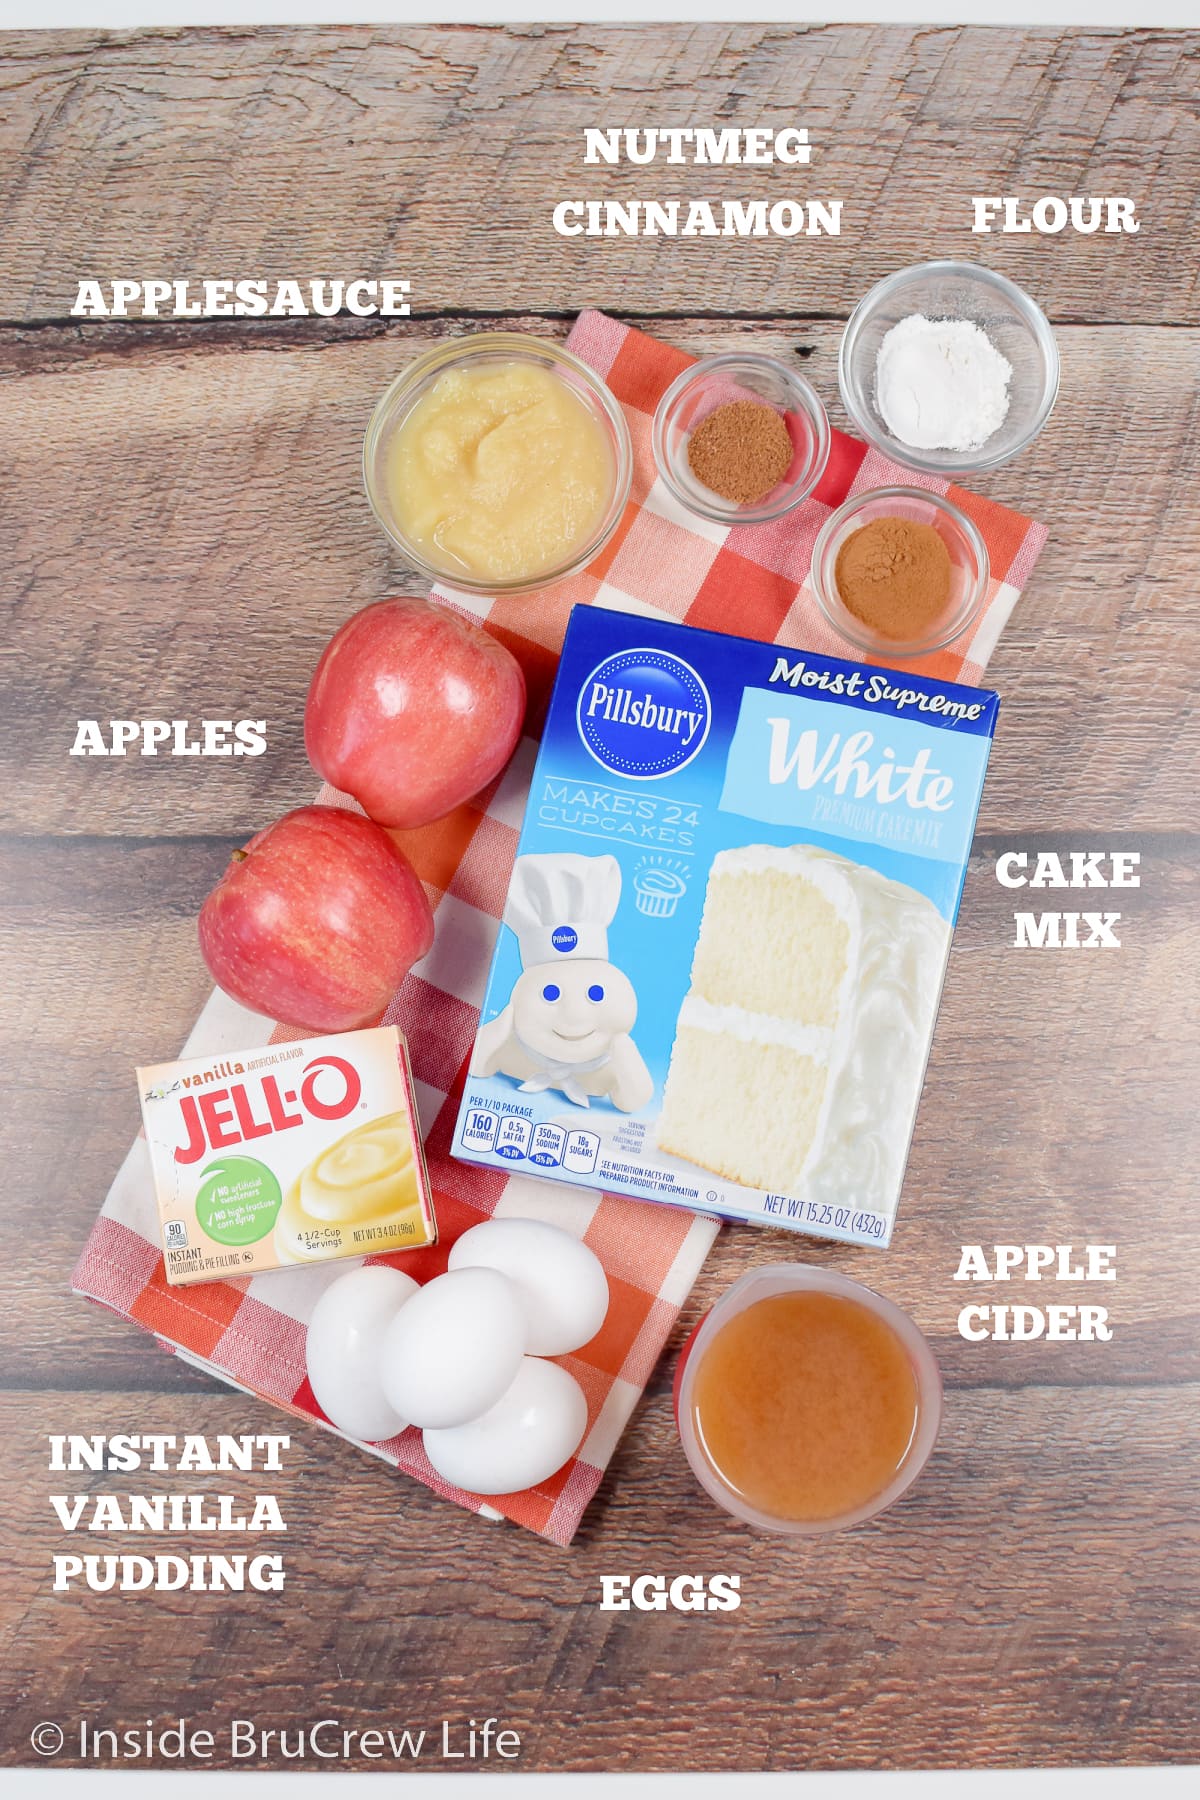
x,y
317,921
412,710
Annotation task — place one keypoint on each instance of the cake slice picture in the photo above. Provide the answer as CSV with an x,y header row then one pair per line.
x,y
800,1048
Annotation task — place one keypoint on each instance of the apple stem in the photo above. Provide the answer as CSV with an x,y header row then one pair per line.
x,y
239,856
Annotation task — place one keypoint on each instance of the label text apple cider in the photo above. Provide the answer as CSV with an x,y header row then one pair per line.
x,y
1005,1323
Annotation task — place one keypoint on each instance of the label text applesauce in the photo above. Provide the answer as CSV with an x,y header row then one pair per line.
x,y
181,297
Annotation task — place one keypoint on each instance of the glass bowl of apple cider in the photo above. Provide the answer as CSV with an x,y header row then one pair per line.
x,y
805,1402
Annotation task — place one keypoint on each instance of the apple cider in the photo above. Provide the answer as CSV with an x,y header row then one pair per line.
x,y
806,1405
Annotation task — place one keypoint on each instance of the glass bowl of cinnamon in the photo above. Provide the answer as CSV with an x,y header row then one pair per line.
x,y
900,571
740,438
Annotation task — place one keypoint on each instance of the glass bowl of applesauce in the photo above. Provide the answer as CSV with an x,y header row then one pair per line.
x,y
805,1402
498,463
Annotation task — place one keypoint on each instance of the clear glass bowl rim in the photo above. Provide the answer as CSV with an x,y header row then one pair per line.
x,y
807,397
830,602
946,462
779,1277
533,349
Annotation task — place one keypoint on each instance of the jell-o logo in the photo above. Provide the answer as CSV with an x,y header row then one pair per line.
x,y
226,1116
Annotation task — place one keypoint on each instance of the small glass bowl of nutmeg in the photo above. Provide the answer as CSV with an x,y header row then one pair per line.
x,y
900,571
740,438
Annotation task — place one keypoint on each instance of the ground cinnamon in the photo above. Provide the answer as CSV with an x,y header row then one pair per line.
x,y
741,451
894,575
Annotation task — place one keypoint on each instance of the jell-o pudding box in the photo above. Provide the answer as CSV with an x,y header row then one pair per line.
x,y
293,1153
725,937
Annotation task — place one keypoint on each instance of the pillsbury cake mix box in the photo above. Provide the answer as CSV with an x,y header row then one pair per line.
x,y
724,940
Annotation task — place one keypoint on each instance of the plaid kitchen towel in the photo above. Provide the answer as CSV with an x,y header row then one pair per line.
x,y
662,561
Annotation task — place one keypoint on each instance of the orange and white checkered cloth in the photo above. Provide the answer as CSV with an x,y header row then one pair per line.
x,y
663,561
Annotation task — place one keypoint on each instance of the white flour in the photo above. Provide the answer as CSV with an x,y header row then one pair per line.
x,y
941,384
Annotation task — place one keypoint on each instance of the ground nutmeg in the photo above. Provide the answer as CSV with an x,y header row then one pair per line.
x,y
894,575
741,451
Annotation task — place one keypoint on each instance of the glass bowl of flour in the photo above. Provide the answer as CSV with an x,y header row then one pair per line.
x,y
948,368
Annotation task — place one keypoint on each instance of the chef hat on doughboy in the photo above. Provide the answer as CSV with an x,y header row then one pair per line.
x,y
561,906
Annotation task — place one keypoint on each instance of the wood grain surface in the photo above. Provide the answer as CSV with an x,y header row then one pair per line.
x,y
182,526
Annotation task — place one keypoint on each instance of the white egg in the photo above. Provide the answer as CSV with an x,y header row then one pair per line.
x,y
454,1348
560,1282
524,1438
344,1345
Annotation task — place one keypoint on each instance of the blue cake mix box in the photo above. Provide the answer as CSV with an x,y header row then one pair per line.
x,y
727,927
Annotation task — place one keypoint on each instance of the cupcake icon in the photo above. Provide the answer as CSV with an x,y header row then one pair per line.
x,y
657,891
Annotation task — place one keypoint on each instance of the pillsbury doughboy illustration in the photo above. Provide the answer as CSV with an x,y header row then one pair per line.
x,y
566,1026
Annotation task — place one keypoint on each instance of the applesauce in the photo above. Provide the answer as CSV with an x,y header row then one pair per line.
x,y
500,472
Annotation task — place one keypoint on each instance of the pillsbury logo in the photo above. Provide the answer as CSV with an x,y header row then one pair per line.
x,y
564,939
643,714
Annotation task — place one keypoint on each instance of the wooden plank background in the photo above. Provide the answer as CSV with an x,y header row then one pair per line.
x,y
182,526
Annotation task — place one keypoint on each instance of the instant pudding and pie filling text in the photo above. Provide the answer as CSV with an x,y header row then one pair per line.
x,y
727,927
